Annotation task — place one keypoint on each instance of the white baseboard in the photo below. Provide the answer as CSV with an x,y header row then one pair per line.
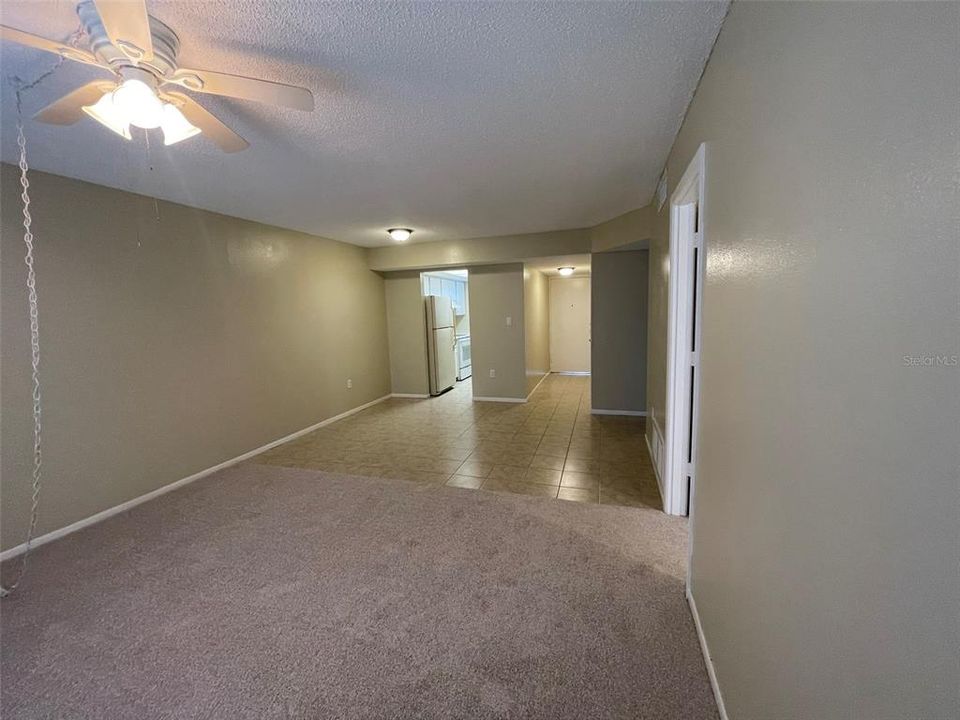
x,y
575,373
122,507
628,413
501,399
653,461
655,427
711,671
415,396
542,378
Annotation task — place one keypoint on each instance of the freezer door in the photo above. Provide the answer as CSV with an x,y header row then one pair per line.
x,y
439,312
443,370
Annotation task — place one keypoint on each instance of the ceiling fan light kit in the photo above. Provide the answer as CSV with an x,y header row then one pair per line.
x,y
141,52
135,102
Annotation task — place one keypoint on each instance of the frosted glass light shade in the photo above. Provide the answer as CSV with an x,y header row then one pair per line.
x,y
175,126
108,113
139,104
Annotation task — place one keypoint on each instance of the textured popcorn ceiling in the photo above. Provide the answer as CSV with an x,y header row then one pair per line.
x,y
459,119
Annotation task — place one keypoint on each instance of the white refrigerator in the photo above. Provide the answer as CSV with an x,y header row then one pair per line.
x,y
441,343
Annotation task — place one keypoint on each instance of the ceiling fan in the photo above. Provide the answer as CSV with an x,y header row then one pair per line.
x,y
146,90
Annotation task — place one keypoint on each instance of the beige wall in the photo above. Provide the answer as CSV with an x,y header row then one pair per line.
x,y
172,339
479,251
632,228
407,331
496,293
619,347
536,326
825,528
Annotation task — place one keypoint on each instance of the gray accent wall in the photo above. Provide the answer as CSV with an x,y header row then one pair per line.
x,y
618,352
172,339
825,519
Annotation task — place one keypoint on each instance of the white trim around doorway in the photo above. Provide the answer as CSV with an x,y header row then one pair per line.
x,y
687,204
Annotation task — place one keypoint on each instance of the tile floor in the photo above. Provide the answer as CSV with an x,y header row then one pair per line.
x,y
550,447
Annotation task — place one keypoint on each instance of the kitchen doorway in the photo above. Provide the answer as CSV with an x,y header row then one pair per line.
x,y
447,305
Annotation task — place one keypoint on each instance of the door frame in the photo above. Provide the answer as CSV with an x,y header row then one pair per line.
x,y
568,282
687,236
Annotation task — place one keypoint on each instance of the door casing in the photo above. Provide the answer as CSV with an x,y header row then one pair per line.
x,y
684,323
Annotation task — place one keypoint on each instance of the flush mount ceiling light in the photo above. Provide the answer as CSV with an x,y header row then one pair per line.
x,y
400,234
141,52
565,271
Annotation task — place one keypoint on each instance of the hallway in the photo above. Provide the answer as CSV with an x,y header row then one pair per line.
x,y
549,447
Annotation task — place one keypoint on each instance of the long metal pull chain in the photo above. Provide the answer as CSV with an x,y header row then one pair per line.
x,y
34,352
21,86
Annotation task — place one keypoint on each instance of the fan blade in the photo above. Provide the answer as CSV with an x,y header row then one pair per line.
x,y
128,26
68,109
245,88
225,138
41,43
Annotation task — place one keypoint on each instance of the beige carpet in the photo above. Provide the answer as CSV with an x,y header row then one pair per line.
x,y
267,592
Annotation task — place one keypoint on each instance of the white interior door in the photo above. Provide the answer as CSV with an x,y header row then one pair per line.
x,y
570,324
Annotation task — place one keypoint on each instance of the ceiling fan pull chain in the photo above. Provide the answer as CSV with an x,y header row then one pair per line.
x,y
34,344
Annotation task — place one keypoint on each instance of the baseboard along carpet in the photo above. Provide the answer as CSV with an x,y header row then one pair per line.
x,y
267,592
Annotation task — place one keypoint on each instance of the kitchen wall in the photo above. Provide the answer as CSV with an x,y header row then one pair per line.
x,y
407,332
172,339
825,529
496,293
619,324
536,326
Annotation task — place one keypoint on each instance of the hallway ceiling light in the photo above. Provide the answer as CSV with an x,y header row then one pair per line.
x,y
400,234
565,271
